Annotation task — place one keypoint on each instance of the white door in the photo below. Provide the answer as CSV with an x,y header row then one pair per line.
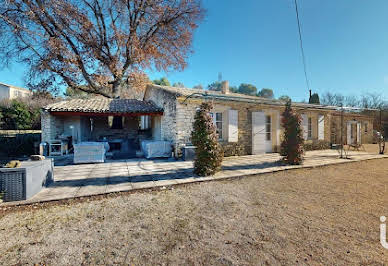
x,y
349,134
358,133
261,133
321,127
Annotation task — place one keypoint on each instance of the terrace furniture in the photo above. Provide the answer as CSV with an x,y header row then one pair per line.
x,y
24,182
90,152
58,147
188,153
156,149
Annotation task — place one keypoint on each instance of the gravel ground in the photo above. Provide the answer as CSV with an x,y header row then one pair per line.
x,y
328,215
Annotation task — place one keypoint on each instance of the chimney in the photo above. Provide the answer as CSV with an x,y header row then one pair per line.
x,y
225,87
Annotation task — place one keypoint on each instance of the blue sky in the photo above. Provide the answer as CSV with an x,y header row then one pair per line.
x,y
256,41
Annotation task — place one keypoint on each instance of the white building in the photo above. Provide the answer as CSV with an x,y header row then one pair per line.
x,y
12,92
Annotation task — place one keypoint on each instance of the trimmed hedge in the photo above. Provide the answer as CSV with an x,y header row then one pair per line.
x,y
316,145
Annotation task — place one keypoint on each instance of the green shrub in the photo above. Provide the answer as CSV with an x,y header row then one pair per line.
x,y
18,145
209,153
316,145
16,116
233,149
291,147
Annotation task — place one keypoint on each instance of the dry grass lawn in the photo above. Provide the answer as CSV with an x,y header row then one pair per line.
x,y
327,215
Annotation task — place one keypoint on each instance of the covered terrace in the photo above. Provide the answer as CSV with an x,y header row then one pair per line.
x,y
123,123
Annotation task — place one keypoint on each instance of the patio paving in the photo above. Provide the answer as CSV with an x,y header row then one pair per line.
x,y
74,181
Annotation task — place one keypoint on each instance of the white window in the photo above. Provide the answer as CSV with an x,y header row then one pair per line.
x,y
268,128
352,131
310,128
217,120
232,126
145,122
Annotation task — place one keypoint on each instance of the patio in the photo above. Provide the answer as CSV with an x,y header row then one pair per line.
x,y
74,181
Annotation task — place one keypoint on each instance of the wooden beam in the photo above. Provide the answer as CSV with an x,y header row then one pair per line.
x,y
58,113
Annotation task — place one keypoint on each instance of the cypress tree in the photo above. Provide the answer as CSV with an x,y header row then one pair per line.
x,y
209,153
291,147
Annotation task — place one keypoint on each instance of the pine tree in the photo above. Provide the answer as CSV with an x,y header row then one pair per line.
x,y
209,153
291,147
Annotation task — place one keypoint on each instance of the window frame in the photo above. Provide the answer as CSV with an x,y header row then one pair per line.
x,y
268,128
144,122
309,128
216,122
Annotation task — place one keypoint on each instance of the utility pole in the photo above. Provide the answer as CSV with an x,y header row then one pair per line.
x,y
342,131
381,137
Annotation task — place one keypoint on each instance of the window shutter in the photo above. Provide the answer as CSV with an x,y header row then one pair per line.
x,y
305,126
321,127
232,126
349,134
358,133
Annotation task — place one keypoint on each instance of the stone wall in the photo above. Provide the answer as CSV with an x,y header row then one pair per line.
x,y
366,136
185,118
179,112
167,122
51,126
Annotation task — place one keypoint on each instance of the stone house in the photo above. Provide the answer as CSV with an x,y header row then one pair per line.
x,y
250,124
245,124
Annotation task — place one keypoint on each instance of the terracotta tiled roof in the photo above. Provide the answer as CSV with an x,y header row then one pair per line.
x,y
195,93
104,105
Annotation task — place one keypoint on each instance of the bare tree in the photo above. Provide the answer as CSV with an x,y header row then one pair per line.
x,y
351,101
372,101
332,99
97,45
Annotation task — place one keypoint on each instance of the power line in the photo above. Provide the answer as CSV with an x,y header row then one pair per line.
x,y
301,47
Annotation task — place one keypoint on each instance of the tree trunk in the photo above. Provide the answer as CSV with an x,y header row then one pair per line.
x,y
116,89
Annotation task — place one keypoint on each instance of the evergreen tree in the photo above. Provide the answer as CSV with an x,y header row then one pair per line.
x,y
291,147
314,99
162,82
209,153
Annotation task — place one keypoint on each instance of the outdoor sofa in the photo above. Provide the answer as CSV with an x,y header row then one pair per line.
x,y
24,182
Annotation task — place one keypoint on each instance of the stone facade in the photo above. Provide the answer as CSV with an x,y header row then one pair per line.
x,y
175,125
51,126
180,112
366,127
165,127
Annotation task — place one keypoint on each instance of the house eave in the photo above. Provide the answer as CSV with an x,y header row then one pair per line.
x,y
105,114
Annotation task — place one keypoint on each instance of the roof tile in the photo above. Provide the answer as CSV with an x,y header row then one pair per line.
x,y
104,105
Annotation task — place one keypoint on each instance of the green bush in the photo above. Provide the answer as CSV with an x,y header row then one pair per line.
x,y
316,145
291,147
209,153
233,149
17,114
20,144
